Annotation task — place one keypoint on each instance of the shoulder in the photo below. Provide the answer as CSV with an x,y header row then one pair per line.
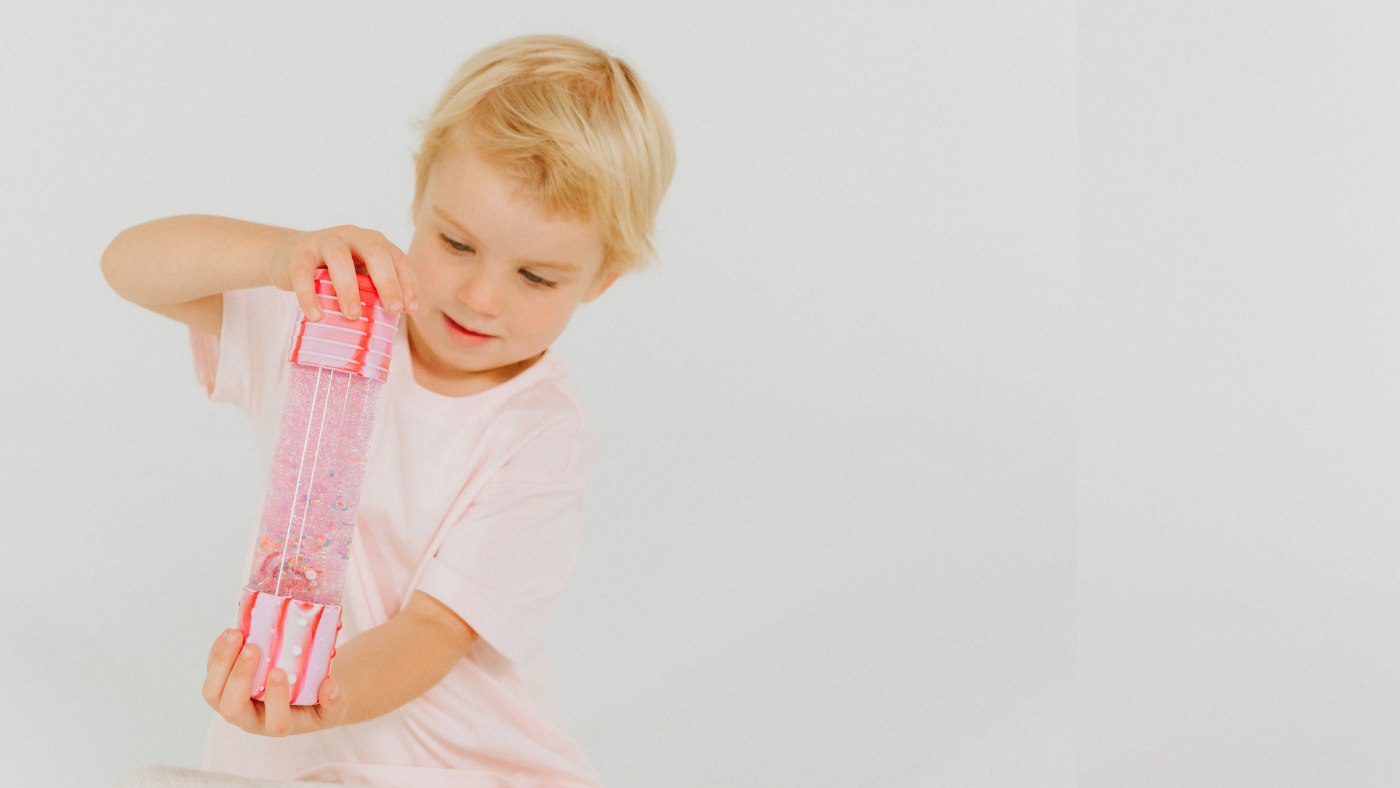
x,y
542,412
263,305
262,319
540,395
245,362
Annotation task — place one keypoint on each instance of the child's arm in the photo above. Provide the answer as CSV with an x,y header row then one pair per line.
x,y
181,266
380,669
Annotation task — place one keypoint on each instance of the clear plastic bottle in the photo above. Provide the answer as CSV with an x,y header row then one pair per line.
x,y
290,608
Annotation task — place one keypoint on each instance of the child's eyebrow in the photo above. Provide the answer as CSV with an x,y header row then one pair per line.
x,y
567,268
443,215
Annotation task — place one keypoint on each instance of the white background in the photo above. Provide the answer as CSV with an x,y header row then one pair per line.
x,y
1240,293
831,536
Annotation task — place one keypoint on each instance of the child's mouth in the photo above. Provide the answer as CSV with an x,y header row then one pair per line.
x,y
465,336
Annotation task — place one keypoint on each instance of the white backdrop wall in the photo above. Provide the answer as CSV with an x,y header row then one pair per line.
x,y
831,529
1238,435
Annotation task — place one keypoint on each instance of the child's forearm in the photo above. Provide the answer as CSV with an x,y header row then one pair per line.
x,y
184,258
389,665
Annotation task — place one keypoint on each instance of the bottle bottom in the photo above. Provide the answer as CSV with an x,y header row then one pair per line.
x,y
291,634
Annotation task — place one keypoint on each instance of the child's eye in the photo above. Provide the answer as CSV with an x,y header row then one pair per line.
x,y
535,280
455,245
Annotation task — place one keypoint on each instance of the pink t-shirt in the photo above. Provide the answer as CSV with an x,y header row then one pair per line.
x,y
476,501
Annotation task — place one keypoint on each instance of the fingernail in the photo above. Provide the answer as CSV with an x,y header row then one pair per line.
x,y
229,636
246,653
335,692
394,306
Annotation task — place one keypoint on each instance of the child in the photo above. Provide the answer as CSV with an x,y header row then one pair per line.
x,y
541,171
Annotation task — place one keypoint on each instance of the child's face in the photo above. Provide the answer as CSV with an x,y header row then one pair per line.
x,y
497,279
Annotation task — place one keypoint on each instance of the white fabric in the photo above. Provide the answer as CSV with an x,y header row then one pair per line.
x,y
180,777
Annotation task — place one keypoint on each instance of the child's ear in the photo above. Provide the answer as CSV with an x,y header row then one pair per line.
x,y
599,285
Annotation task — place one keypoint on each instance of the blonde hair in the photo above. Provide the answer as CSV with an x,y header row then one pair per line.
x,y
574,124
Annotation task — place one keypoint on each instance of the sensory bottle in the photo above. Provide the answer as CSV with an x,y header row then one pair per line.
x,y
291,608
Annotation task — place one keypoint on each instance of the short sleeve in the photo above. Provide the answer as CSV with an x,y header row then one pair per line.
x,y
245,363
504,565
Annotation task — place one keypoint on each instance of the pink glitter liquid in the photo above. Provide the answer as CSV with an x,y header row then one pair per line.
x,y
309,517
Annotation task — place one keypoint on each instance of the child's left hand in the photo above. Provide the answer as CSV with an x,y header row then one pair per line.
x,y
228,688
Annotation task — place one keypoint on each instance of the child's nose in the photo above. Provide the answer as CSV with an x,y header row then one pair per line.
x,y
482,295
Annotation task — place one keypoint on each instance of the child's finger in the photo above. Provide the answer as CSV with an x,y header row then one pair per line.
x,y
330,704
342,269
304,285
236,702
277,712
225,647
221,657
408,283
380,264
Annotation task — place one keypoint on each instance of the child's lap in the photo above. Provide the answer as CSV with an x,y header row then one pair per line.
x,y
180,777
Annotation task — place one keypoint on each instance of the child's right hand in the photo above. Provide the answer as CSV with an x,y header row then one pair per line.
x,y
228,686
294,261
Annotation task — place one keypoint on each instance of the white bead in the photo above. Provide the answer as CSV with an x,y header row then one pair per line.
x,y
296,651
311,574
301,622
291,679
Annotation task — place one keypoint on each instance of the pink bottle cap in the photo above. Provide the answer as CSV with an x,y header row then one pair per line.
x,y
296,636
360,346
